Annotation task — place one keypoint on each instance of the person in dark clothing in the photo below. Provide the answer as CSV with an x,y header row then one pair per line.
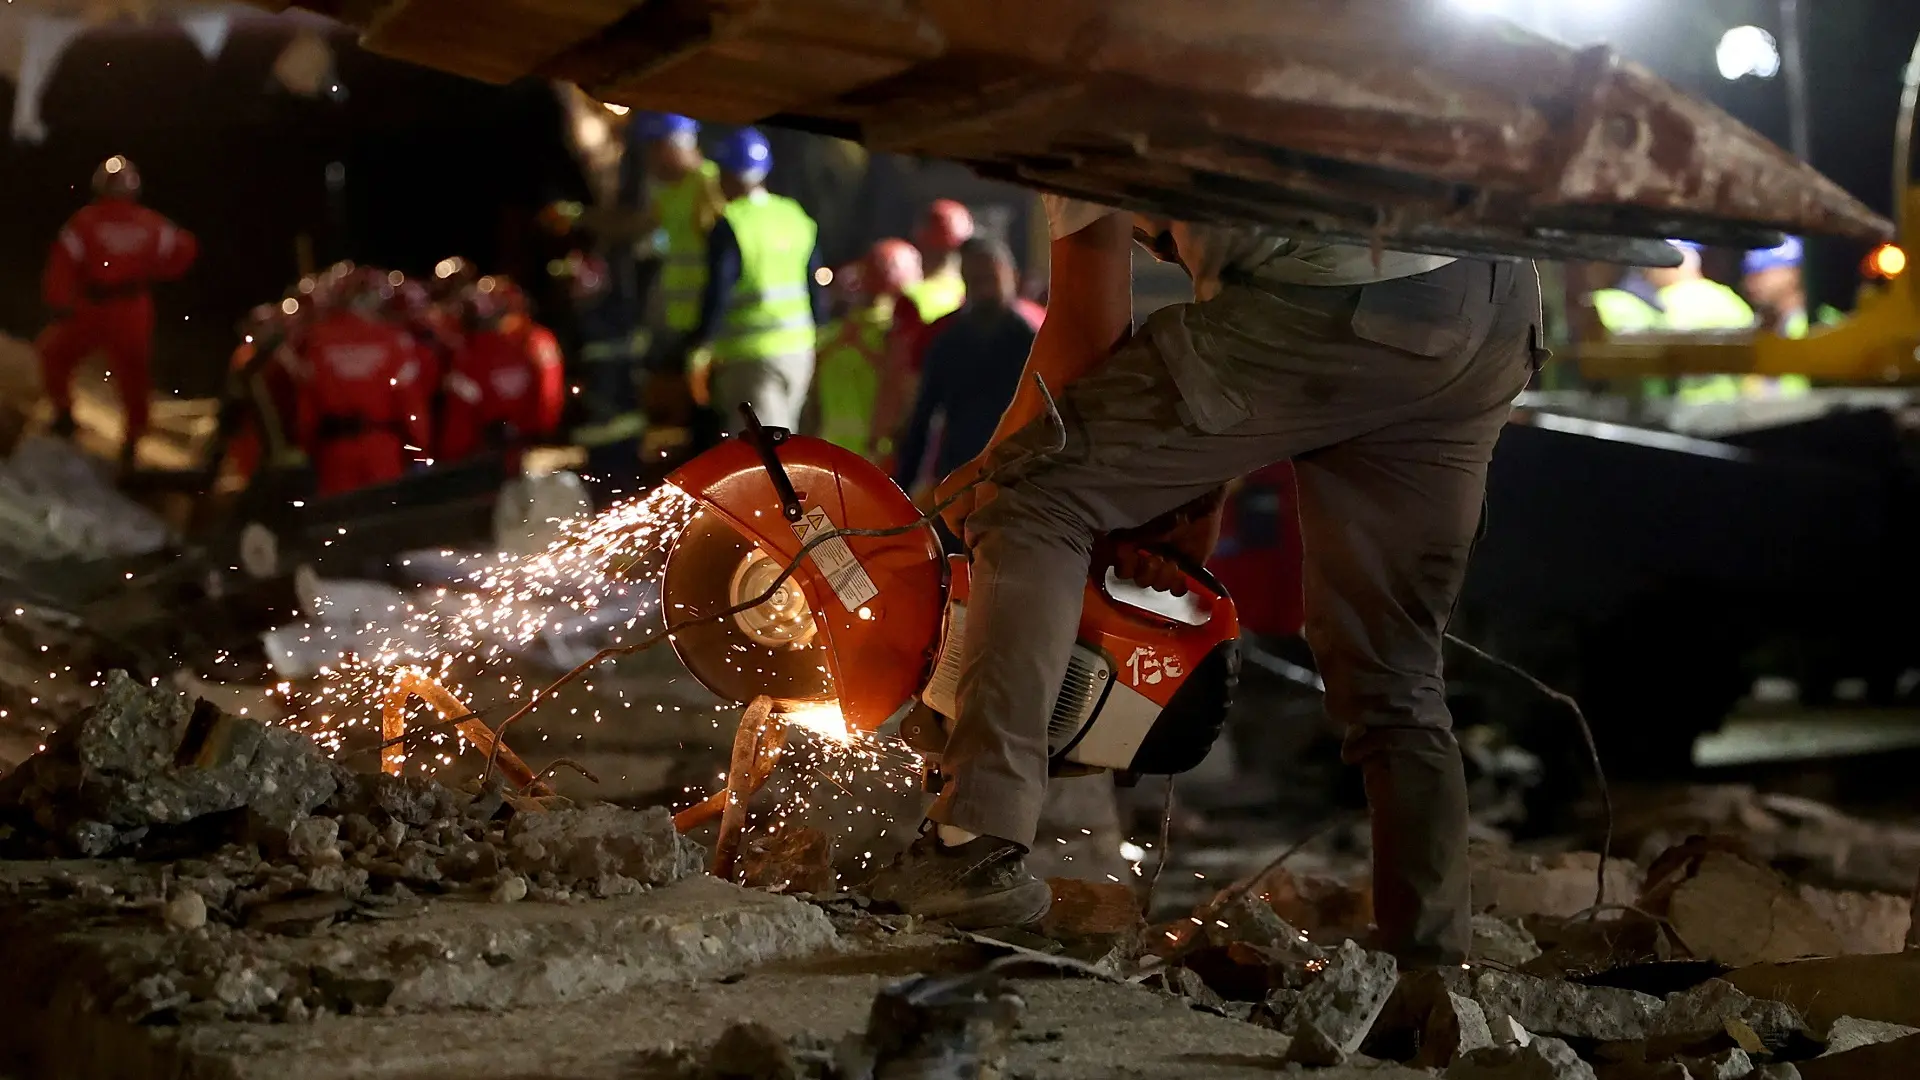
x,y
972,366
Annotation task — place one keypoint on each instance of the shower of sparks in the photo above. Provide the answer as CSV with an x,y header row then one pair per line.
x,y
602,576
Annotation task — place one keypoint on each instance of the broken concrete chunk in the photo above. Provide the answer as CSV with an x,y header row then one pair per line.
x,y
793,859
313,839
1510,884
1865,922
1247,918
1725,1065
1570,1010
1315,903
1540,1059
144,756
1852,1033
511,890
1502,941
186,911
1779,1070
1456,1027
1708,1007
615,849
1729,909
1336,1011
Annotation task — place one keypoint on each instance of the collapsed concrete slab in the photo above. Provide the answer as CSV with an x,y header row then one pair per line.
x,y
1334,1014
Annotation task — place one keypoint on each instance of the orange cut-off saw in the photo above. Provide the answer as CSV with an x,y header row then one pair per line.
x,y
876,624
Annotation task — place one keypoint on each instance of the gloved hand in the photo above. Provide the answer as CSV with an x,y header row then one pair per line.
x,y
1192,530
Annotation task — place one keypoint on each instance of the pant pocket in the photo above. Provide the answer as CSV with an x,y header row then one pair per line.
x,y
1425,315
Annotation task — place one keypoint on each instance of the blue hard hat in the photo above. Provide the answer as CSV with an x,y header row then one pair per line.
x,y
745,153
1790,252
658,127
1687,245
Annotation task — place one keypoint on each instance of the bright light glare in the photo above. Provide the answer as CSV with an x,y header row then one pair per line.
x,y
1747,50
1888,261
1479,7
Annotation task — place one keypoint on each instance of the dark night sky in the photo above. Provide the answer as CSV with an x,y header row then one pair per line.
x,y
436,164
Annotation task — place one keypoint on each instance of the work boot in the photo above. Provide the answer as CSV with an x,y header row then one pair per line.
x,y
981,883
64,426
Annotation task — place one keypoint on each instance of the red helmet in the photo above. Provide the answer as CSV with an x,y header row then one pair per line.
x,y
946,226
890,267
116,178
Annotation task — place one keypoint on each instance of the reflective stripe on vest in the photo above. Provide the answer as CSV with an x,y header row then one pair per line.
x,y
683,270
771,310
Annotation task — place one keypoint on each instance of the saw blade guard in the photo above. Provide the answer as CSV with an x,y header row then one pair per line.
x,y
859,620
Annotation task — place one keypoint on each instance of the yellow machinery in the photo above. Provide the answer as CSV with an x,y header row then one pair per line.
x,y
1877,345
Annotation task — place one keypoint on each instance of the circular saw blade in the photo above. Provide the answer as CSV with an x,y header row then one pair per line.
x,y
703,572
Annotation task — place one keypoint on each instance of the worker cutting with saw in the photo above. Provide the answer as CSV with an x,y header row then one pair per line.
x,y
1386,376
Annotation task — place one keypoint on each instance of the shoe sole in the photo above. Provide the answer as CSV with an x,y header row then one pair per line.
x,y
1020,906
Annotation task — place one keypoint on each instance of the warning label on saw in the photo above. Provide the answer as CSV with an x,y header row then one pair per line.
x,y
836,562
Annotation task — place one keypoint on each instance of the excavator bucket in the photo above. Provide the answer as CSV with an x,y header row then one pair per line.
x,y
1394,122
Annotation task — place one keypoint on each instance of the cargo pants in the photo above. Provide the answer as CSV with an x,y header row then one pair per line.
x,y
1389,398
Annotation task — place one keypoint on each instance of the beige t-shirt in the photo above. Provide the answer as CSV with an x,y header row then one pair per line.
x,y
1209,250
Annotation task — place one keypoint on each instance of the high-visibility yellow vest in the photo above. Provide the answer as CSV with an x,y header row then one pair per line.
x,y
770,313
686,215
937,296
847,375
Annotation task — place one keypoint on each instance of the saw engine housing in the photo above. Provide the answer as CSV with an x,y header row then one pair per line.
x,y
878,623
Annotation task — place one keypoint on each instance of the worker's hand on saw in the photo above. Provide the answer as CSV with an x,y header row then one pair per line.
x,y
1192,530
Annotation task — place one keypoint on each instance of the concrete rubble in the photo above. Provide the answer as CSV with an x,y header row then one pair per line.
x,y
1540,1059
230,900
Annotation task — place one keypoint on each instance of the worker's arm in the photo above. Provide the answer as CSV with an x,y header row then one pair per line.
x,y
174,251
1089,312
723,274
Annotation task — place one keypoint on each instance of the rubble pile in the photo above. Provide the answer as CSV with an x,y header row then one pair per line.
x,y
57,502
268,840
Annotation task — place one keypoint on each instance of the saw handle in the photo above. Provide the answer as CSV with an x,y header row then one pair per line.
x,y
1200,580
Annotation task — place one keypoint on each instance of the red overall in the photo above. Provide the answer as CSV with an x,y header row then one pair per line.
x,y
363,403
508,379
96,281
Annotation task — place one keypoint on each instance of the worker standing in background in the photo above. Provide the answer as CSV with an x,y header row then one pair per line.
x,y
765,294
940,292
1773,283
1676,300
98,275
506,384
972,369
363,409
852,347
684,205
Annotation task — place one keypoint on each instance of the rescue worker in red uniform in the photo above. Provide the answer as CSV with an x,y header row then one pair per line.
x,y
97,278
364,402
506,386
